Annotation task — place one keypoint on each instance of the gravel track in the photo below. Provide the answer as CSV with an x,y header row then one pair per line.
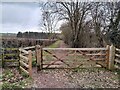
x,y
59,78
79,78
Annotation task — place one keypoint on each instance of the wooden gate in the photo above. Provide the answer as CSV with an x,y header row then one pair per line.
x,y
68,57
72,57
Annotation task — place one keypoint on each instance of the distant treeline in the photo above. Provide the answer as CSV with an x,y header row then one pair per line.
x,y
37,35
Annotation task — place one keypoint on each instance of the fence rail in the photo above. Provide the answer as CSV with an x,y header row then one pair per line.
x,y
9,55
87,49
117,58
27,48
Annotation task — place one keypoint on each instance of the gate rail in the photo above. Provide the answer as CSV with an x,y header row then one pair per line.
x,y
40,50
117,58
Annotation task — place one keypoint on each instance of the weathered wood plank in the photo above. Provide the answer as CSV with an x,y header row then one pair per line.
x,y
22,50
24,64
107,55
118,61
102,64
13,49
11,54
87,49
11,60
117,49
30,62
89,54
32,47
117,55
99,59
23,57
117,67
24,70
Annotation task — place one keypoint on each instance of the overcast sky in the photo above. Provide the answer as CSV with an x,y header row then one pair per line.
x,y
20,17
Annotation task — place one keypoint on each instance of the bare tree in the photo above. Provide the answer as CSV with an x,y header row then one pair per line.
x,y
50,18
75,13
96,14
114,29
105,19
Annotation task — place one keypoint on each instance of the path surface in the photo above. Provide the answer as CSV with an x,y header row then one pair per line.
x,y
51,79
59,78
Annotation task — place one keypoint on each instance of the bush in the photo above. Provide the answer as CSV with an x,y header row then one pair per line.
x,y
115,38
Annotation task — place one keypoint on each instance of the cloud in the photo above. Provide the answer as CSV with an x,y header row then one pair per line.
x,y
24,16
11,28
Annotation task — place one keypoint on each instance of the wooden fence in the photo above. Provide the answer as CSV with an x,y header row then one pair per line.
x,y
117,58
25,63
8,55
51,57
114,58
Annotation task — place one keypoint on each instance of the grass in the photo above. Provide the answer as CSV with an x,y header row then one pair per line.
x,y
74,61
34,61
54,45
118,73
11,81
49,58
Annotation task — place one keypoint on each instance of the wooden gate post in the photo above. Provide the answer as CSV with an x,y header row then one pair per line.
x,y
3,62
39,57
107,56
19,60
111,57
30,62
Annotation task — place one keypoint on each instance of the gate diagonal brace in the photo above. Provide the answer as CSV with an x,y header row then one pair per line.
x,y
84,54
90,58
65,55
56,60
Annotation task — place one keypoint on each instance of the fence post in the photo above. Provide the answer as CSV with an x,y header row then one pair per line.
x,y
30,62
39,57
19,61
3,62
107,55
111,57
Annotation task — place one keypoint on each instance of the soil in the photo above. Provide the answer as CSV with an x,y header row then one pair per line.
x,y
75,78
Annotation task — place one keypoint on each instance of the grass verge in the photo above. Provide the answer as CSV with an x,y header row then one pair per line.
x,y
11,79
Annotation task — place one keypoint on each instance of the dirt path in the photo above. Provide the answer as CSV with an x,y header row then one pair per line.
x,y
63,45
59,78
61,53
51,79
